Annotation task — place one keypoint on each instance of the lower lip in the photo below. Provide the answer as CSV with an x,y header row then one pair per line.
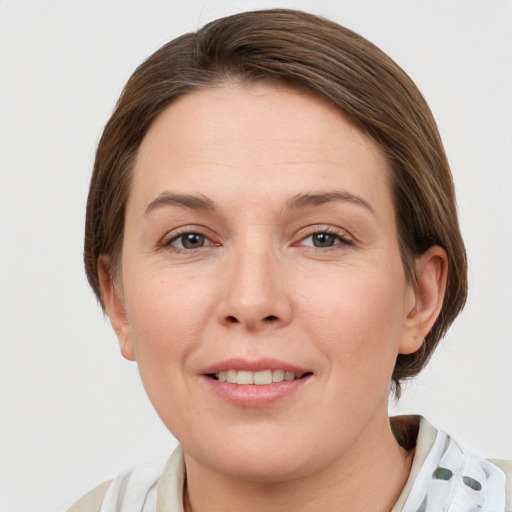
x,y
253,395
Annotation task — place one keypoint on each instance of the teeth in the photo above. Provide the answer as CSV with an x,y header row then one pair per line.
x,y
277,375
244,377
261,378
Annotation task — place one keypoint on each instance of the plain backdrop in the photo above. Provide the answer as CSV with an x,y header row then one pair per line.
x,y
73,412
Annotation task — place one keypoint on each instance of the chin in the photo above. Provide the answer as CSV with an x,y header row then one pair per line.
x,y
263,469
259,458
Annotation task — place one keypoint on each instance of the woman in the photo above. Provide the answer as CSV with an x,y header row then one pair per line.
x,y
272,230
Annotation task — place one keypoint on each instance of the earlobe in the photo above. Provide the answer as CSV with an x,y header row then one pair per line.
x,y
114,305
427,295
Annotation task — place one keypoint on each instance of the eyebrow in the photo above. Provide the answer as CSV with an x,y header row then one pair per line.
x,y
319,198
299,201
182,200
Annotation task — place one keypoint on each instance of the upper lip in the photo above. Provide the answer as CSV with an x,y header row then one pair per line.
x,y
253,365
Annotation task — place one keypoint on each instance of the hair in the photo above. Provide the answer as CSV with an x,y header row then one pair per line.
x,y
309,52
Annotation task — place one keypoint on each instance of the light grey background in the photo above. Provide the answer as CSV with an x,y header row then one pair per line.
x,y
72,412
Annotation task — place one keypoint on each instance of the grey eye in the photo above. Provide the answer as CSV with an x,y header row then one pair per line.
x,y
472,483
190,241
442,474
193,240
323,239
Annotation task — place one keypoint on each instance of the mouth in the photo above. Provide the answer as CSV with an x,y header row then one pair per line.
x,y
256,383
259,378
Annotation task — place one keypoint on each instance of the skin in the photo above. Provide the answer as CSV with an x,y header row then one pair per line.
x,y
259,287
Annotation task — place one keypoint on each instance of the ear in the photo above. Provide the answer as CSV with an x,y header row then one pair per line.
x,y
425,298
114,304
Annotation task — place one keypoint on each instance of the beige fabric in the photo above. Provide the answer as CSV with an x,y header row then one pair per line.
x,y
426,436
506,467
171,484
92,501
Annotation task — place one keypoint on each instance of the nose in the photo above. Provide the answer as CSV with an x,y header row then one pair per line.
x,y
256,291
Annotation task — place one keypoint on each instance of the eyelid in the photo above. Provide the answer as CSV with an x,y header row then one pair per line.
x,y
166,241
175,234
345,237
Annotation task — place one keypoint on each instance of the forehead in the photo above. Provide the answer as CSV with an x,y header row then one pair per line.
x,y
270,139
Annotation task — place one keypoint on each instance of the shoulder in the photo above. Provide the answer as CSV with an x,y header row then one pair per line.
x,y
131,490
443,472
139,489
506,467
92,501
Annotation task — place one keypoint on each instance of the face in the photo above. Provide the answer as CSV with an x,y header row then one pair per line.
x,y
261,246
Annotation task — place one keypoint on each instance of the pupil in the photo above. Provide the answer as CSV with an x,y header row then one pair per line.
x,y
323,240
192,241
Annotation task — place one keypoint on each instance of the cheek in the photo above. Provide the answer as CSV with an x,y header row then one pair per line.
x,y
357,324
167,323
166,319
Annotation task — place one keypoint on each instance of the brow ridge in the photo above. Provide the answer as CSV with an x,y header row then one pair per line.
x,y
299,201
318,198
192,202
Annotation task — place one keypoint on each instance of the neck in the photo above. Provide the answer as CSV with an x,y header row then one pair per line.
x,y
369,478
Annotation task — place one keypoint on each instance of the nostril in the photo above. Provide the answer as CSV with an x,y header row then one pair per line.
x,y
230,319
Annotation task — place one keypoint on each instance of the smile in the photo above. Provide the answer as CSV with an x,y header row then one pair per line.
x,y
255,383
260,378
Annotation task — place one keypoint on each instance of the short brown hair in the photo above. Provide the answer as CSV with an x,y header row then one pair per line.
x,y
332,62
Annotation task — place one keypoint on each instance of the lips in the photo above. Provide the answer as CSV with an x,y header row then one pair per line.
x,y
255,383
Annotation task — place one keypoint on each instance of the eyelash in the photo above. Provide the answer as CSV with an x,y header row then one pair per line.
x,y
167,242
342,240
341,236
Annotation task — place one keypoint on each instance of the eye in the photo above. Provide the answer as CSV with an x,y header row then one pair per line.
x,y
189,241
324,239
